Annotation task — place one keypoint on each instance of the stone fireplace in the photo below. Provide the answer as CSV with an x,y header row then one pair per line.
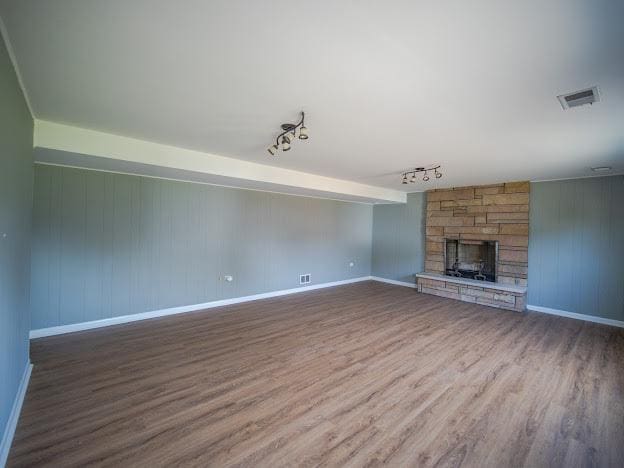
x,y
472,259
477,244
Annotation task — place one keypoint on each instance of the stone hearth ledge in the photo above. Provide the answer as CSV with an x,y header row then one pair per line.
x,y
470,282
502,296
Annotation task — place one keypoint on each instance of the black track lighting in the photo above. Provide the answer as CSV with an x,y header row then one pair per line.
x,y
288,135
411,174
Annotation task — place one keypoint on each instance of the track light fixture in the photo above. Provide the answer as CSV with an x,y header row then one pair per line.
x,y
411,174
290,132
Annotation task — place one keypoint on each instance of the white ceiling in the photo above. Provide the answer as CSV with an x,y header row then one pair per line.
x,y
385,85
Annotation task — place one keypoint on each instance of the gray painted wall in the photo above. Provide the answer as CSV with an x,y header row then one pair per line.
x,y
16,127
106,245
576,246
399,239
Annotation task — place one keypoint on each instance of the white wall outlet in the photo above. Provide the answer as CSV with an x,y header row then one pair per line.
x,y
304,279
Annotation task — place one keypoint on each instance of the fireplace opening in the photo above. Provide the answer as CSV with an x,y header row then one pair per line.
x,y
472,259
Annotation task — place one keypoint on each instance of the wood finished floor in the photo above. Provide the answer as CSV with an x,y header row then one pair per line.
x,y
358,375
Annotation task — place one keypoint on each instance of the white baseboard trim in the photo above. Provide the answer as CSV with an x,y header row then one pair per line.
x,y
9,430
395,282
574,315
59,330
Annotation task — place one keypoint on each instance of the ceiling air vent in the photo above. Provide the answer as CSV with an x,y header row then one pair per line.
x,y
579,98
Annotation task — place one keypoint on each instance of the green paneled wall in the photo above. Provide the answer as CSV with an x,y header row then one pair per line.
x,y
16,133
576,246
399,239
106,245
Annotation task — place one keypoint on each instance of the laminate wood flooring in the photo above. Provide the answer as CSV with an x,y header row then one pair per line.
x,y
359,375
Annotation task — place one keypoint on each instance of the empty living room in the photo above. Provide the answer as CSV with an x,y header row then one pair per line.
x,y
270,233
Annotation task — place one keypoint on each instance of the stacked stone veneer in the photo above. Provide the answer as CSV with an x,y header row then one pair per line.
x,y
497,212
487,294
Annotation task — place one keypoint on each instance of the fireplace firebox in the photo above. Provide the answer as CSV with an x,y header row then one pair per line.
x,y
472,259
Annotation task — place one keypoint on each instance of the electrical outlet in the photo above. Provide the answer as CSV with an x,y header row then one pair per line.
x,y
304,279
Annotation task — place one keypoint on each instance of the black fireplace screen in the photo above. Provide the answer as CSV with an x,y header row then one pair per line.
x,y
472,259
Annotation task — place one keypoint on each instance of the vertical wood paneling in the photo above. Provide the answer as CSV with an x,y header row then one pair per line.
x,y
108,216
135,242
250,260
210,239
195,260
72,265
40,249
110,244
590,248
165,254
122,228
385,222
576,246
616,242
16,199
399,239
180,241
54,258
95,245
151,213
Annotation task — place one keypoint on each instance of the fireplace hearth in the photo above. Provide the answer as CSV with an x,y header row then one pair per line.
x,y
471,259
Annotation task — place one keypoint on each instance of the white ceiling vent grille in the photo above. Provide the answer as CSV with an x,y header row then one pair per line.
x,y
579,98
